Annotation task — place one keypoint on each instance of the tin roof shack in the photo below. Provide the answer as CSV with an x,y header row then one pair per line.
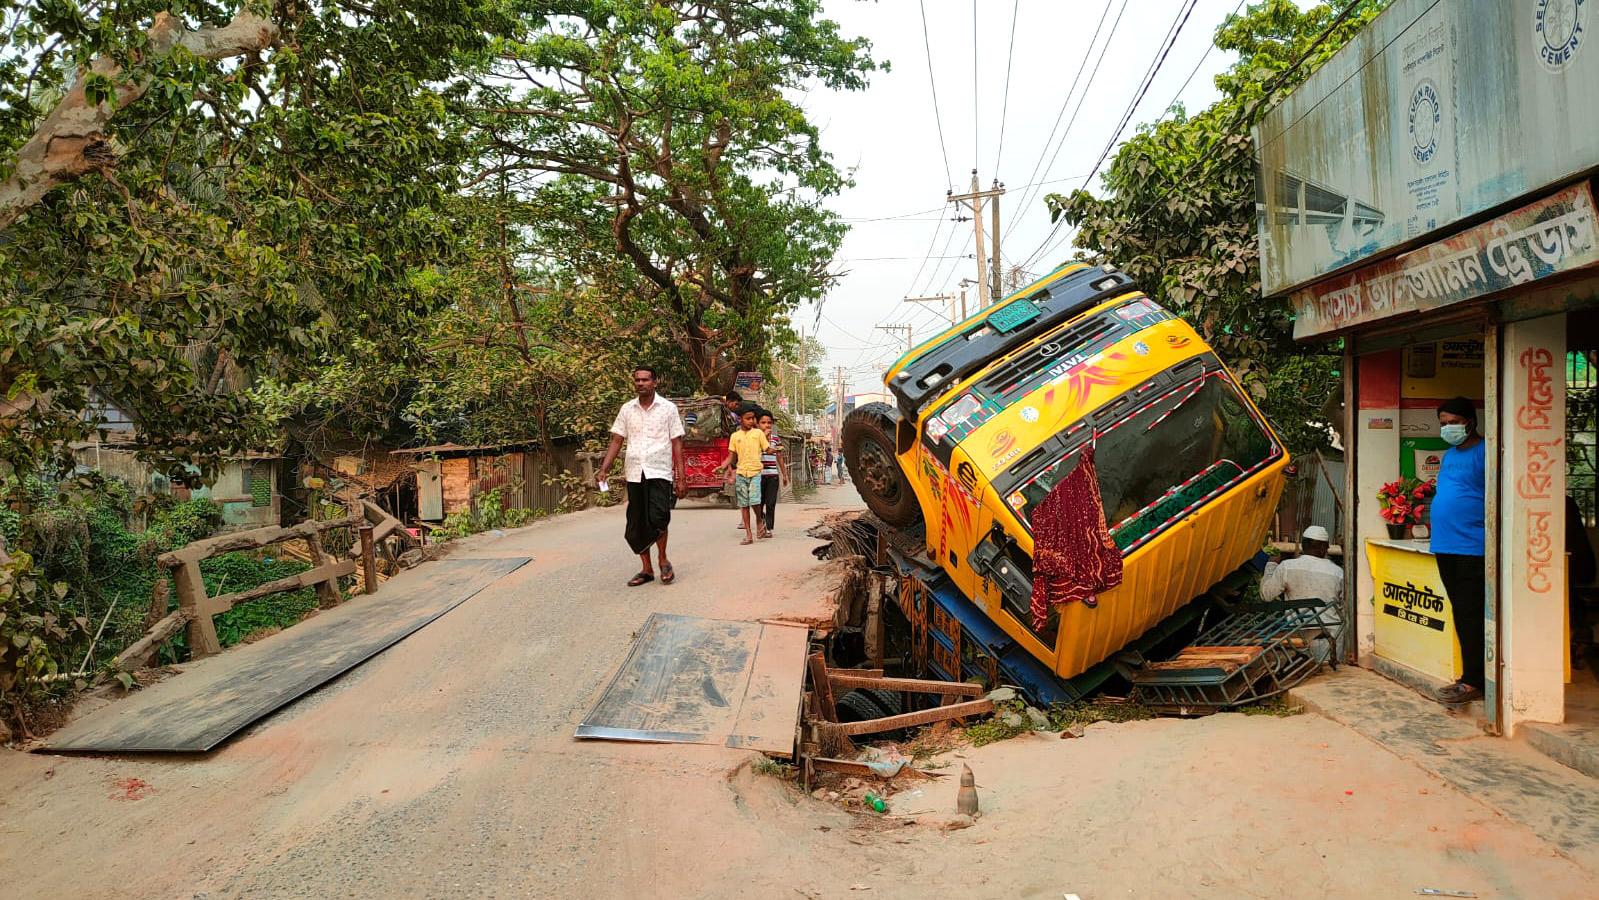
x,y
451,477
248,487
1426,196
364,472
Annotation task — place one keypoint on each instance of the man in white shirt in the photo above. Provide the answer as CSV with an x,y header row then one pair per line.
x,y
653,432
1309,576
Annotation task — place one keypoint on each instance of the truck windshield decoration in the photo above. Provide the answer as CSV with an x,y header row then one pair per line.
x,y
1165,459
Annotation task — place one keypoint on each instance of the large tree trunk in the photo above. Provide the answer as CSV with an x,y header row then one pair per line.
x,y
72,140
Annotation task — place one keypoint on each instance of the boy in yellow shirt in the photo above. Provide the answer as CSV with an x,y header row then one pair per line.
x,y
745,448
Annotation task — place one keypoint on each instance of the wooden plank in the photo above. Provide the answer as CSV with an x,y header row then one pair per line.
x,y
138,652
847,680
327,590
907,720
769,712
253,539
1220,648
823,689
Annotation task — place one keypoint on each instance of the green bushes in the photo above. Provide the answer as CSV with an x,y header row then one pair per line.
x,y
489,515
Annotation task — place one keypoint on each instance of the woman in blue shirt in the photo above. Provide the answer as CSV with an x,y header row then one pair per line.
x,y
1458,539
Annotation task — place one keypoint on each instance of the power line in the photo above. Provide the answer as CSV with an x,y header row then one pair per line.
x,y
977,119
1172,33
1065,102
927,46
1244,113
1004,112
908,216
1195,71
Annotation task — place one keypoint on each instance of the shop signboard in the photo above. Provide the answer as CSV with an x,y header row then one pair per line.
x,y
1432,114
1414,621
1552,235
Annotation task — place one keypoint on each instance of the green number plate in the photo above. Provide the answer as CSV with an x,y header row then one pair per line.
x,y
1012,316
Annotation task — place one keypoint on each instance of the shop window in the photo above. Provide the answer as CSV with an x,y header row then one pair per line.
x,y
1582,433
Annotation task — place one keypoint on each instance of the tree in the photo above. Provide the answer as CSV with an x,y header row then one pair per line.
x,y
206,204
664,136
1178,213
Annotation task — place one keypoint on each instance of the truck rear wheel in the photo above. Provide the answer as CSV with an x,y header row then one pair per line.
x,y
868,438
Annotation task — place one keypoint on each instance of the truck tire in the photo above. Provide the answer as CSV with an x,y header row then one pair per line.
x,y
868,439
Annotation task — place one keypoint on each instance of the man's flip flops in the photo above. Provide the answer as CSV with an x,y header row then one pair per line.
x,y
640,578
668,575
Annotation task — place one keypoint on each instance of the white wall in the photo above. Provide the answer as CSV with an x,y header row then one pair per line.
x,y
1532,491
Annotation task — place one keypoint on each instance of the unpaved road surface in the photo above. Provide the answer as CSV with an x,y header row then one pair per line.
x,y
445,767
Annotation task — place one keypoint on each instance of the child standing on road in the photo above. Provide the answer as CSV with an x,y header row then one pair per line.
x,y
774,472
744,449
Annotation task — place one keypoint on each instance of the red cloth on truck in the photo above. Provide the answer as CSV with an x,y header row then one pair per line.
x,y
1074,558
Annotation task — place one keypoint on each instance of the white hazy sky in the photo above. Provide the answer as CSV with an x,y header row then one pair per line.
x,y
889,136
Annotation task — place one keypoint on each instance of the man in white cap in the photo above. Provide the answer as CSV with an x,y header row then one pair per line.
x,y
1308,576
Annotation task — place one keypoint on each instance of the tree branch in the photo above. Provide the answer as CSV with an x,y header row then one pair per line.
x,y
72,140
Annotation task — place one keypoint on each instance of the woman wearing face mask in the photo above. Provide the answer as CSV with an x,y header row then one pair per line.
x,y
1458,539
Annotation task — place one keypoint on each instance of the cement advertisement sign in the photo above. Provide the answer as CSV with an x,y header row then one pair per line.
x,y
1434,113
1555,234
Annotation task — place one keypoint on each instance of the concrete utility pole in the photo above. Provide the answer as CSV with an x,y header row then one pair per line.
x,y
838,406
987,275
965,283
949,305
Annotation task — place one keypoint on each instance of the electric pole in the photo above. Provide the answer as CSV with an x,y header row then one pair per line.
x,y
838,406
903,330
965,283
947,299
987,275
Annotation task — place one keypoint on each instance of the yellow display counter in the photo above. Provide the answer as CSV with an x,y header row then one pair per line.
x,y
1415,623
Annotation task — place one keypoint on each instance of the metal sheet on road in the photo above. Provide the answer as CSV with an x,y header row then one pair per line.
x,y
202,707
690,680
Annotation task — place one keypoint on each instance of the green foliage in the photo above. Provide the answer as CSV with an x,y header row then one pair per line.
x,y
1087,712
995,728
1178,214
687,178
489,515
239,571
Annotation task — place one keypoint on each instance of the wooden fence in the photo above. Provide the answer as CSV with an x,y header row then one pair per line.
x,y
195,608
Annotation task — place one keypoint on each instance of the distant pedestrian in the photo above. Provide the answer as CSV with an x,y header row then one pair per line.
x,y
838,462
743,464
774,473
827,463
653,432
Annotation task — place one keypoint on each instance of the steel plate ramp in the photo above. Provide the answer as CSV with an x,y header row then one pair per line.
x,y
216,697
690,680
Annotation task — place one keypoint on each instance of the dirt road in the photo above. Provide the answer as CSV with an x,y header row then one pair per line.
x,y
446,767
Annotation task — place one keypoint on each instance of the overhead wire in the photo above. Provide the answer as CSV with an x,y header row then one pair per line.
x,y
1049,139
938,118
1004,110
977,121
1245,112
1163,50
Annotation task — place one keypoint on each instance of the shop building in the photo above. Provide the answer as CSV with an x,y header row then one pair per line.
x,y
1427,199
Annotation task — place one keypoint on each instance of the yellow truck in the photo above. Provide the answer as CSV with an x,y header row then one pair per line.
x,y
992,413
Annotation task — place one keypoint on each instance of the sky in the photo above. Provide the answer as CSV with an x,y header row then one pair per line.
x,y
901,242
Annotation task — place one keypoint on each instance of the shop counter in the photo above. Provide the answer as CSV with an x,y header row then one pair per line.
x,y
1415,624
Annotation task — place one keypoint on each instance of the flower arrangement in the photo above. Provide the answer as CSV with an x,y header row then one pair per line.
x,y
1404,502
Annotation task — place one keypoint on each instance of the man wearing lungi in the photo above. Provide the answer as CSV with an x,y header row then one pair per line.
x,y
653,432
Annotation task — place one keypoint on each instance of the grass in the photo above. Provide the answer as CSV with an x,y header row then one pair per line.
x,y
1087,712
1279,706
765,765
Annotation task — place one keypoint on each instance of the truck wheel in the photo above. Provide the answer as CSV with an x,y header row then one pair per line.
x,y
868,438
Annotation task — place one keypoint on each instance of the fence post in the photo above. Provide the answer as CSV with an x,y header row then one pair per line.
x,y
191,597
327,592
369,563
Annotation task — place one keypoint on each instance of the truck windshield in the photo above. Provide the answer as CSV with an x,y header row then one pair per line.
x,y
1166,458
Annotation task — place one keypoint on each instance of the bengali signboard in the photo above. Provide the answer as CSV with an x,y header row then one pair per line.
x,y
1432,114
1555,234
1414,621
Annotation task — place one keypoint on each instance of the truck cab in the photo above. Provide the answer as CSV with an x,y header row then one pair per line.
x,y
990,415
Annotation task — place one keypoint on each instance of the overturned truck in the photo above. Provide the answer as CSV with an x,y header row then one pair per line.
x,y
995,412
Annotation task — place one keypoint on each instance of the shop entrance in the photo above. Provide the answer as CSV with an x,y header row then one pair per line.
x,y
1582,535
1409,617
